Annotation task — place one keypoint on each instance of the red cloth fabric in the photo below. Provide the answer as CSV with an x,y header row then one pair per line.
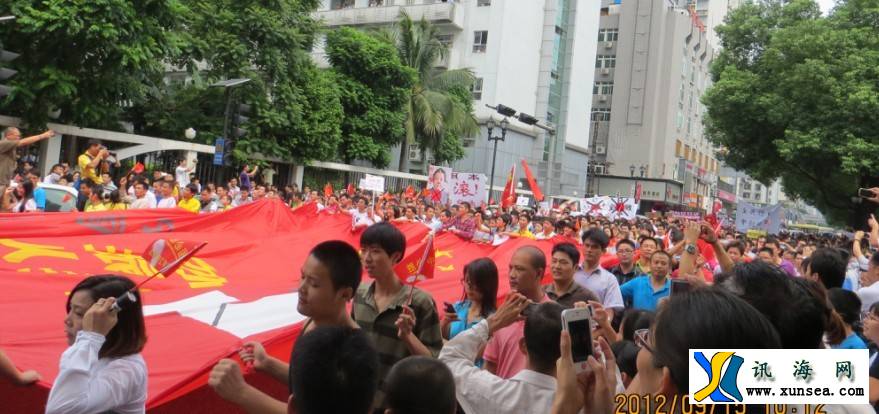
x,y
253,251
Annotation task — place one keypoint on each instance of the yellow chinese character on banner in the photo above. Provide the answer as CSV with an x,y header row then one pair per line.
x,y
199,274
24,251
411,268
122,261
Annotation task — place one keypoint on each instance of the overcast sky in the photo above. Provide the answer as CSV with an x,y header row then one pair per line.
x,y
826,5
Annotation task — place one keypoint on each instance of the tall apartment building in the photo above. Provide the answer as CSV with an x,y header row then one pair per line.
x,y
535,56
651,69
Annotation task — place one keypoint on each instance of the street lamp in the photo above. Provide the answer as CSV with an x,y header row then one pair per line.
x,y
632,170
189,133
643,169
490,125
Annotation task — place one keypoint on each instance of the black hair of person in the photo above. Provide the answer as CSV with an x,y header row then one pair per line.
x,y
386,236
829,266
543,329
568,249
736,245
483,276
128,336
635,319
626,354
342,261
874,258
799,317
420,385
662,252
596,236
333,362
625,241
765,249
682,321
846,303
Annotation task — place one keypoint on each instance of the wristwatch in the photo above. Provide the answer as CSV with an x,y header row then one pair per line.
x,y
690,248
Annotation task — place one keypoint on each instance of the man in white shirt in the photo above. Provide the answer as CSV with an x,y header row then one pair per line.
x,y
548,230
594,277
143,198
431,220
529,391
182,173
168,200
362,216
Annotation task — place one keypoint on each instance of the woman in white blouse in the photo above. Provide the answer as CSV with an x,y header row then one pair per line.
x,y
103,369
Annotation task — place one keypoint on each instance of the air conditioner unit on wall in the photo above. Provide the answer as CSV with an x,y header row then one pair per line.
x,y
608,45
602,98
605,71
600,149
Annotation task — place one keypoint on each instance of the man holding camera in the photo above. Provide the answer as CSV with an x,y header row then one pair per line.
x,y
90,161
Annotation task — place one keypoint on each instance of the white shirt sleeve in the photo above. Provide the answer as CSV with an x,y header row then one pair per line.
x,y
474,386
613,297
80,388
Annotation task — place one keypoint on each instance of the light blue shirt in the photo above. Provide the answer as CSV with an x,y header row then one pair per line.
x,y
40,198
640,293
462,308
852,341
603,284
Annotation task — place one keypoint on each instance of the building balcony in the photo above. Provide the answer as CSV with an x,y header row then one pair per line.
x,y
442,13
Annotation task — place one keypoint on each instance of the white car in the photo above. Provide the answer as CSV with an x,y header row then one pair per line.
x,y
59,197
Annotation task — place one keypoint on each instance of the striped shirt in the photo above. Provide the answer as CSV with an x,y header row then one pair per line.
x,y
381,328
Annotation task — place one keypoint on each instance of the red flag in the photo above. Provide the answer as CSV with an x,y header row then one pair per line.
x,y
418,265
509,196
350,190
166,255
538,195
328,190
410,191
138,168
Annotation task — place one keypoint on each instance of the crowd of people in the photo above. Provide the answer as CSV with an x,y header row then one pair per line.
x,y
372,344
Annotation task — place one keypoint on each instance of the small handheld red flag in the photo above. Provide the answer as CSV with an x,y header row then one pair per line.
x,y
410,191
538,195
166,254
418,265
328,190
350,190
509,196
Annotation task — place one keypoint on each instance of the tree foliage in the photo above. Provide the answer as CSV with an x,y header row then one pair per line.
x,y
796,97
374,87
433,112
86,58
295,107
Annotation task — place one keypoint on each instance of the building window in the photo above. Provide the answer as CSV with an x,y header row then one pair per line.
x,y
376,3
480,40
600,114
746,186
605,61
477,89
608,35
757,196
746,195
483,3
602,88
341,4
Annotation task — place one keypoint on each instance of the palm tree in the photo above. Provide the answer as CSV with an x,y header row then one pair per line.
x,y
431,110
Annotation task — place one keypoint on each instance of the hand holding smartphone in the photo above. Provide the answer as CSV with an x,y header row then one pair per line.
x,y
578,323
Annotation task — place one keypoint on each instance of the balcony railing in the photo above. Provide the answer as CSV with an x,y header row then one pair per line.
x,y
441,13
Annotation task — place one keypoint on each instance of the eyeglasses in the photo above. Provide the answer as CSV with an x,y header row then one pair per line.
x,y
643,340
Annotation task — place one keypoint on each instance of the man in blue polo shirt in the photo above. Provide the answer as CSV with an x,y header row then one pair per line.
x,y
645,291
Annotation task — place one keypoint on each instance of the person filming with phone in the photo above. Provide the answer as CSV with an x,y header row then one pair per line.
x,y
103,370
91,162
529,391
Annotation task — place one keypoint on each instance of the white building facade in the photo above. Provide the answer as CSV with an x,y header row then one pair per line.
x,y
535,56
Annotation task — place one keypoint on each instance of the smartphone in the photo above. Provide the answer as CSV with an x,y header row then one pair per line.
x,y
578,323
449,307
679,286
865,193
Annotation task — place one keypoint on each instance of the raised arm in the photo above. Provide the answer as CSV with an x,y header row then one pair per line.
x,y
36,138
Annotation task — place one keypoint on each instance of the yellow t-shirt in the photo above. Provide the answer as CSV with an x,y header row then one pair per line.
x,y
86,171
89,207
526,234
192,204
117,206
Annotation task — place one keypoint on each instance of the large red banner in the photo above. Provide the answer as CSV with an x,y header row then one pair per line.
x,y
240,287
